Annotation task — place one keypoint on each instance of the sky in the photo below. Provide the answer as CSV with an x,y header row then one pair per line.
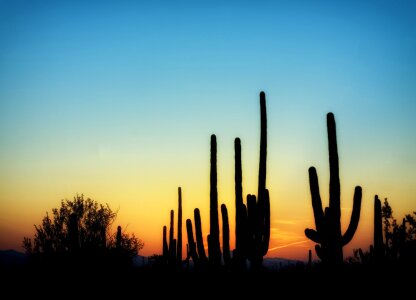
x,y
117,101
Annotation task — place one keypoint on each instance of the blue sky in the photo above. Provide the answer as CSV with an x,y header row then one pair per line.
x,y
107,85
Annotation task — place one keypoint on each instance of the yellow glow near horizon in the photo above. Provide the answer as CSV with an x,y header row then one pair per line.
x,y
143,198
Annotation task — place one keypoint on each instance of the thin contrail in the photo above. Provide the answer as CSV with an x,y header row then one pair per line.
x,y
287,245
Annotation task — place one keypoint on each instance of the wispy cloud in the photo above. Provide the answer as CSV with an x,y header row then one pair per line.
x,y
288,245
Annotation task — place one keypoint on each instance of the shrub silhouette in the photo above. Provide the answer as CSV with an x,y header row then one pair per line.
x,y
328,222
400,240
79,229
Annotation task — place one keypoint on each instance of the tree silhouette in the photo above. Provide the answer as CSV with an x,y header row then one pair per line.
x,y
400,239
79,227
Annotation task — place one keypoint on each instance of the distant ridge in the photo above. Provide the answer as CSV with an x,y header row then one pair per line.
x,y
12,258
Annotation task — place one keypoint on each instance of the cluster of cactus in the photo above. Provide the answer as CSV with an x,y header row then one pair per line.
x,y
328,224
252,229
172,252
252,220
197,250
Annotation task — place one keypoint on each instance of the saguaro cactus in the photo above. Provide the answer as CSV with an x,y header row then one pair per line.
x,y
165,245
258,213
118,238
191,242
253,222
214,250
378,230
241,234
328,224
225,235
172,241
179,241
258,222
198,235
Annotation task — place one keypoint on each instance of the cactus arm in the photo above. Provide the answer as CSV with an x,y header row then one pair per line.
x,y
251,224
316,199
191,241
355,217
179,241
198,235
251,214
313,235
225,235
165,244
266,231
171,231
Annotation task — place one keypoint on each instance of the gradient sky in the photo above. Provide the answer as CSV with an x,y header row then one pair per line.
x,y
118,102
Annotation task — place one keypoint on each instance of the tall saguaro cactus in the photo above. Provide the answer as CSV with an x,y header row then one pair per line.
x,y
258,212
240,209
253,222
179,241
214,250
328,221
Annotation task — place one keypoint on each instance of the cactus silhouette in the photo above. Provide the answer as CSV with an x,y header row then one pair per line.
x,y
214,250
165,245
73,232
118,238
172,241
378,230
253,221
225,235
191,243
258,221
198,235
376,252
241,234
328,222
259,212
179,240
